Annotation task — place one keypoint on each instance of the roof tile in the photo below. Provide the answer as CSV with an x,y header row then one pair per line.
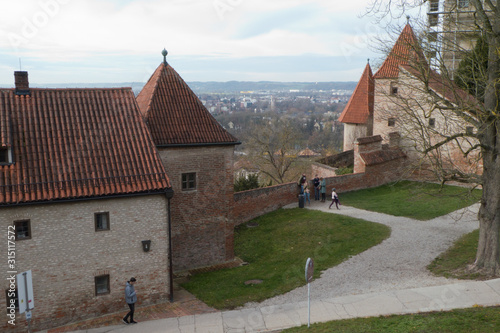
x,y
175,115
360,105
405,50
74,143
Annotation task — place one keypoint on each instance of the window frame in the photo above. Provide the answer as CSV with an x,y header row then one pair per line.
x,y
433,20
185,183
108,288
29,229
96,221
394,88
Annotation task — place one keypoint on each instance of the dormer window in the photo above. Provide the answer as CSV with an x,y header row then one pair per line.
x,y
5,155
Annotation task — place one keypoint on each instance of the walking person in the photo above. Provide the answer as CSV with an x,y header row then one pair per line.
x,y
322,189
316,185
131,299
335,199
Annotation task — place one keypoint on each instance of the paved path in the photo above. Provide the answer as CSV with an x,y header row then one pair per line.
x,y
399,262
389,278
276,317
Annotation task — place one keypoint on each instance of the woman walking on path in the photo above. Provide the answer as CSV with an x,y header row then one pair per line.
x,y
335,199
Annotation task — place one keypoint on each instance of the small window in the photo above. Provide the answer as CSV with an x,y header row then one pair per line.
x,y
469,130
12,299
23,229
433,20
102,285
189,181
432,122
391,122
394,88
101,221
463,3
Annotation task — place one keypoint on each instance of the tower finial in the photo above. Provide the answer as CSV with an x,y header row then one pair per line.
x,y
368,60
407,19
164,54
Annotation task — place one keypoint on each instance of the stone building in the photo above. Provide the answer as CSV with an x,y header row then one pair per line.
x,y
411,99
81,187
197,154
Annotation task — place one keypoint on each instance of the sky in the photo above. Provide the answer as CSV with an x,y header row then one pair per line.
x,y
111,41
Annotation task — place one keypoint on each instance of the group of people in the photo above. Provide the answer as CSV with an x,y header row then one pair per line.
x,y
319,184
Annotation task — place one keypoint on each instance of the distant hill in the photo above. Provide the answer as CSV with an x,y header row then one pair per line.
x,y
237,86
218,87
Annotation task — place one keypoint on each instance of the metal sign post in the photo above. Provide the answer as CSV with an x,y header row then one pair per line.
x,y
25,295
309,277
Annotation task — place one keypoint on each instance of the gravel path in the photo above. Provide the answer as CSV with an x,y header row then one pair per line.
x,y
399,262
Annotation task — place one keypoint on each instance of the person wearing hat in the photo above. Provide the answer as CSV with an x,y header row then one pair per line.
x,y
130,298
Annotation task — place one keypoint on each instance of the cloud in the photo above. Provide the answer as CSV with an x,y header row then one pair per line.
x,y
78,33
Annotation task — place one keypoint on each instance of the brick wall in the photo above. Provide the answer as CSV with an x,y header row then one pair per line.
x,y
202,228
65,254
253,203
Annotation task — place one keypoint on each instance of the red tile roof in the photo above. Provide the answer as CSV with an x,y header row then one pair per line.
x,y
77,143
405,50
446,88
360,105
175,115
382,156
5,130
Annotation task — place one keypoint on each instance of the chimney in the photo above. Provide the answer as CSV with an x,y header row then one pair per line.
x,y
22,84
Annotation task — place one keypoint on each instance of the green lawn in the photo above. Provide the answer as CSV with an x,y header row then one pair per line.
x,y
421,201
277,250
480,320
453,262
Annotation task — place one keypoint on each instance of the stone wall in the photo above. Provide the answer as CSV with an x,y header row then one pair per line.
x,y
66,253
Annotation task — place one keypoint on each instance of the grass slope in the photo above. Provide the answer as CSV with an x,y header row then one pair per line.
x,y
421,201
483,320
277,250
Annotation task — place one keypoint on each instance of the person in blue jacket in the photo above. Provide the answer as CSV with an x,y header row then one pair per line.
x,y
131,299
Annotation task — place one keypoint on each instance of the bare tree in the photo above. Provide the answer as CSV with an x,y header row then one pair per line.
x,y
438,118
272,149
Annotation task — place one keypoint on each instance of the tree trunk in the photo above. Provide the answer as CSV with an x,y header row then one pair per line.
x,y
488,250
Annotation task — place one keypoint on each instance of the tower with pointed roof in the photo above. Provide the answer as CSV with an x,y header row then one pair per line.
x,y
357,116
405,55
399,94
197,154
